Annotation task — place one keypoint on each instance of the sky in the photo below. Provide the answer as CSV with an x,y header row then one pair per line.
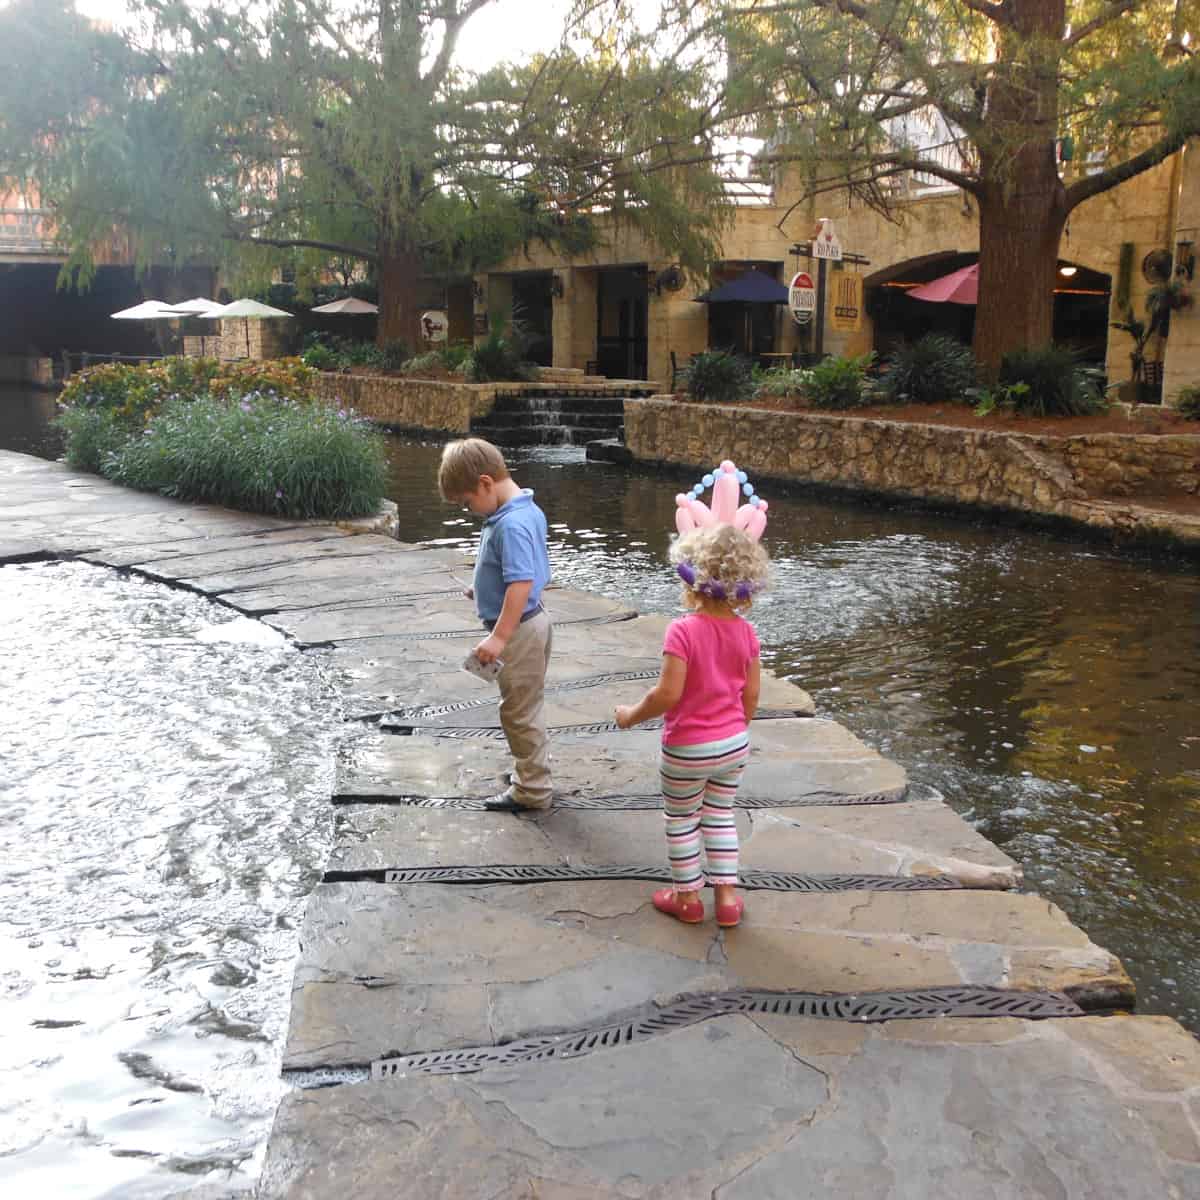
x,y
506,29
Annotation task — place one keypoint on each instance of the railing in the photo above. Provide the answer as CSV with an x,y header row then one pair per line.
x,y
26,231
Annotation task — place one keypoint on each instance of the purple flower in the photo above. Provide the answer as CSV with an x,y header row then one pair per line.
x,y
278,494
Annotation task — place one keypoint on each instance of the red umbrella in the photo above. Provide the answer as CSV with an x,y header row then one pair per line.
x,y
959,287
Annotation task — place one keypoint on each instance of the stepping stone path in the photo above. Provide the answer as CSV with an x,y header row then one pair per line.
x,y
486,1005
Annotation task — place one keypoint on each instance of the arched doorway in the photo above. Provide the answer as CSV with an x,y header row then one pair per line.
x,y
1081,305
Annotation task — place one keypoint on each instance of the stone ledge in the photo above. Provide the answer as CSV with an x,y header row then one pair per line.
x,y
1090,480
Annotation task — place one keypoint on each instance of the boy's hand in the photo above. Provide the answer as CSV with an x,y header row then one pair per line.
x,y
489,649
469,593
624,715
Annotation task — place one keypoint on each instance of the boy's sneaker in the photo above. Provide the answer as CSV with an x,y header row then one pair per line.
x,y
505,801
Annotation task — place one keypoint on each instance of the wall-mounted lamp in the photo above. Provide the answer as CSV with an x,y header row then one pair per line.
x,y
1185,260
1067,271
556,286
476,289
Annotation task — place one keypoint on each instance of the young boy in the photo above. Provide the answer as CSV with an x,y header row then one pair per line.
x,y
512,569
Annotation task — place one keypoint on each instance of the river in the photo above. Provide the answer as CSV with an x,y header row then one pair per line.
x,y
167,773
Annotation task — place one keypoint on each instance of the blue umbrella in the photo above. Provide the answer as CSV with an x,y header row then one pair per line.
x,y
750,287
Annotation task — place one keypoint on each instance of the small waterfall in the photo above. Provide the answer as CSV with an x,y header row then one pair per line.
x,y
570,418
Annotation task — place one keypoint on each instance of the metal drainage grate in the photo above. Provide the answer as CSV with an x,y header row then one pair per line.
x,y
444,634
495,732
749,879
863,1007
615,803
408,715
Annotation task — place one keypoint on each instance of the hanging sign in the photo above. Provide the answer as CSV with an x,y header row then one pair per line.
x,y
802,298
434,325
847,302
825,242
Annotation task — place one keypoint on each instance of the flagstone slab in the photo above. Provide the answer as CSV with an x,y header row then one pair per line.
x,y
521,959
894,840
810,758
262,541
776,1108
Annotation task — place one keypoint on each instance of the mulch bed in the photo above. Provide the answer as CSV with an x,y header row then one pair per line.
x,y
1151,420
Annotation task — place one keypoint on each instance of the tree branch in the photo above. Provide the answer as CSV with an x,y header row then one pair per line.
x,y
302,243
455,20
1111,13
1093,185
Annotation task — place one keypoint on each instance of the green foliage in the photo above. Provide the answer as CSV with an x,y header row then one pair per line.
x,y
839,383
446,358
781,382
719,376
394,155
1188,401
320,357
1057,385
1003,397
93,433
138,391
258,454
499,357
932,369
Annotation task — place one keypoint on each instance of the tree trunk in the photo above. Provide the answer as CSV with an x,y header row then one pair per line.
x,y
1019,235
1022,201
399,276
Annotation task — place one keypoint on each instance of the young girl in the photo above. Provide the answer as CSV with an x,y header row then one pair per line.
x,y
708,691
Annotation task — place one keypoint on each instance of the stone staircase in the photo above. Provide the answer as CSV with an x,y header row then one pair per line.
x,y
564,407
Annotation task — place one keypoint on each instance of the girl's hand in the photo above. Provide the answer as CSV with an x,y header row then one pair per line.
x,y
624,716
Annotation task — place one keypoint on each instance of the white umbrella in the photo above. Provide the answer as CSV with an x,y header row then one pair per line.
x,y
148,310
198,307
248,310
348,305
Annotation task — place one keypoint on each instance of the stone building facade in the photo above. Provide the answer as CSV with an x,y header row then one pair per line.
x,y
608,311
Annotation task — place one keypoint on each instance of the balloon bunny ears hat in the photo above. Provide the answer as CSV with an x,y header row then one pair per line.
x,y
691,513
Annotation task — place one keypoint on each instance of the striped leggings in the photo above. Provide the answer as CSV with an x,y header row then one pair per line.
x,y
699,784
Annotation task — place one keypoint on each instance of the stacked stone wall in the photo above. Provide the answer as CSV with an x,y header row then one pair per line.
x,y
1025,472
411,403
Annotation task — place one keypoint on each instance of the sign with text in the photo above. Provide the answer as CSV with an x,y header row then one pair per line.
x,y
847,302
825,243
802,298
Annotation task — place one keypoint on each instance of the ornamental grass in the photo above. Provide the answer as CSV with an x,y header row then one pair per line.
x,y
242,435
258,454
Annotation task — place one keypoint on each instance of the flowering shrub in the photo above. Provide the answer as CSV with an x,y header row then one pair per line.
x,y
259,453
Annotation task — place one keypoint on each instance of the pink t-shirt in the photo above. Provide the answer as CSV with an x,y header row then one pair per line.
x,y
717,654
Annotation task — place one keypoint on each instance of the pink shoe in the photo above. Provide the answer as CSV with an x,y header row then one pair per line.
x,y
669,901
729,915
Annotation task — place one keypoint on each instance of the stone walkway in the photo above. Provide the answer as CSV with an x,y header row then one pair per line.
x,y
503,1014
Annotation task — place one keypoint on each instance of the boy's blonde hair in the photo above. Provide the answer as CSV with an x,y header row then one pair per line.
x,y
725,556
463,462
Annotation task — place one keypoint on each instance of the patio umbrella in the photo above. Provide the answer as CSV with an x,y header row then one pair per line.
x,y
348,306
959,287
197,307
248,310
750,287
148,310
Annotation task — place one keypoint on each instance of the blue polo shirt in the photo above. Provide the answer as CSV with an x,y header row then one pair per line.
x,y
511,550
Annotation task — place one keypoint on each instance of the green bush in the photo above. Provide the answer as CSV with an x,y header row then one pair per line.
x,y
320,357
498,359
932,369
719,376
1057,385
1187,401
445,358
258,454
839,383
782,381
93,433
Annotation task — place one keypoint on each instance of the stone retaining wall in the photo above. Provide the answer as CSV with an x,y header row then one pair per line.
x,y
1026,472
411,403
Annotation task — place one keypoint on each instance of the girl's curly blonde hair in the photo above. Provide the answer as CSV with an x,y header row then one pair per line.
x,y
720,562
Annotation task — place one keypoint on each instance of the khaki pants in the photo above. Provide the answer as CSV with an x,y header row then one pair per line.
x,y
522,710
